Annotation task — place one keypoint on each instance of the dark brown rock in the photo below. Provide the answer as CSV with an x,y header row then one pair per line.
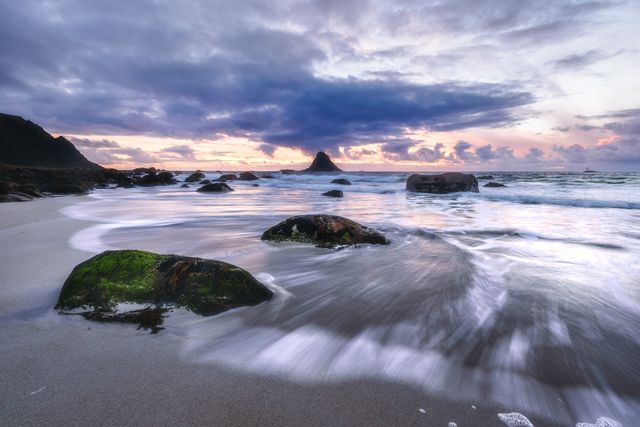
x,y
323,230
215,187
341,181
247,176
449,182
333,193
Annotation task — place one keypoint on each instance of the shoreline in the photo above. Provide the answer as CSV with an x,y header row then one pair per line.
x,y
64,369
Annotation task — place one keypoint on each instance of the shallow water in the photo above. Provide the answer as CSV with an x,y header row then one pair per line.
x,y
528,295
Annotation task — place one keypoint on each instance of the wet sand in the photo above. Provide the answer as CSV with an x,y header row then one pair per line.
x,y
68,370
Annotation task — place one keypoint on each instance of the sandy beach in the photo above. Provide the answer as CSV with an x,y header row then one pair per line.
x,y
66,370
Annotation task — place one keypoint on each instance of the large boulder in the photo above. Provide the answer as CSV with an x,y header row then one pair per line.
x,y
449,182
247,176
206,287
215,187
195,177
324,231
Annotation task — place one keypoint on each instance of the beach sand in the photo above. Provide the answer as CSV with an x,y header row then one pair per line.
x,y
66,370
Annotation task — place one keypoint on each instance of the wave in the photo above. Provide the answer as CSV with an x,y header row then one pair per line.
x,y
558,201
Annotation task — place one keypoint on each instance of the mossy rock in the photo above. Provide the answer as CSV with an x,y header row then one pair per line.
x,y
206,287
324,231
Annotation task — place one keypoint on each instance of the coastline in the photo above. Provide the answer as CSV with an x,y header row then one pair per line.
x,y
68,370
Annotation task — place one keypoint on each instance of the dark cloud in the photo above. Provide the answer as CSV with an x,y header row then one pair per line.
x,y
123,68
268,149
102,143
399,150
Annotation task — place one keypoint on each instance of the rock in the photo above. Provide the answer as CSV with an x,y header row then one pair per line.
x,y
12,192
449,182
205,182
324,231
65,187
267,176
196,176
184,186
227,177
287,171
485,177
322,163
206,287
341,181
255,185
144,171
152,178
333,193
494,184
215,187
247,176
24,143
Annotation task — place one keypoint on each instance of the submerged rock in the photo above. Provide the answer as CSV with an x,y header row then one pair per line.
x,y
196,176
255,185
215,187
184,186
287,171
449,182
494,184
206,287
227,177
247,176
324,231
267,176
205,182
601,422
485,177
333,193
341,181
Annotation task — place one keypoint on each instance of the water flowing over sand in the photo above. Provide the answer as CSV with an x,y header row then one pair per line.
x,y
527,295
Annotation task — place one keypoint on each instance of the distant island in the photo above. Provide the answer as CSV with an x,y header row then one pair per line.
x,y
322,163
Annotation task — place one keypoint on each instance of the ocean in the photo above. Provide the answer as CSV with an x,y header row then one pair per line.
x,y
527,295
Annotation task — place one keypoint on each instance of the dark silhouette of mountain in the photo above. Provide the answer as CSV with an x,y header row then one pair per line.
x,y
24,143
322,163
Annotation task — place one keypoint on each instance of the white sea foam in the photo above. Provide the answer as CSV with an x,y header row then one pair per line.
x,y
515,419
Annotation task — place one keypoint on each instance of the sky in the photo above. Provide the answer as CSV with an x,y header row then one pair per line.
x,y
397,85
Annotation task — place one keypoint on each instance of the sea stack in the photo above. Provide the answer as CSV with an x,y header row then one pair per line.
x,y
322,163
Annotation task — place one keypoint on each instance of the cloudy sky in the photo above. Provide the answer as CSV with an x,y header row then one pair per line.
x,y
398,85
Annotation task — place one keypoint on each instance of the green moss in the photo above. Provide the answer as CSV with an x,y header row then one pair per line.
x,y
109,278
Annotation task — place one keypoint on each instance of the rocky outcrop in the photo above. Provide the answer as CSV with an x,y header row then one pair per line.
x,y
195,177
333,193
215,187
450,182
322,163
324,231
153,178
227,177
206,287
247,176
341,181
494,184
24,143
12,192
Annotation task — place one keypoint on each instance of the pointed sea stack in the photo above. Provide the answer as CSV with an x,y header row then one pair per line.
x,y
322,163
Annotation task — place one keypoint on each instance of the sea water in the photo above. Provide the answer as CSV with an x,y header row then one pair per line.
x,y
527,295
